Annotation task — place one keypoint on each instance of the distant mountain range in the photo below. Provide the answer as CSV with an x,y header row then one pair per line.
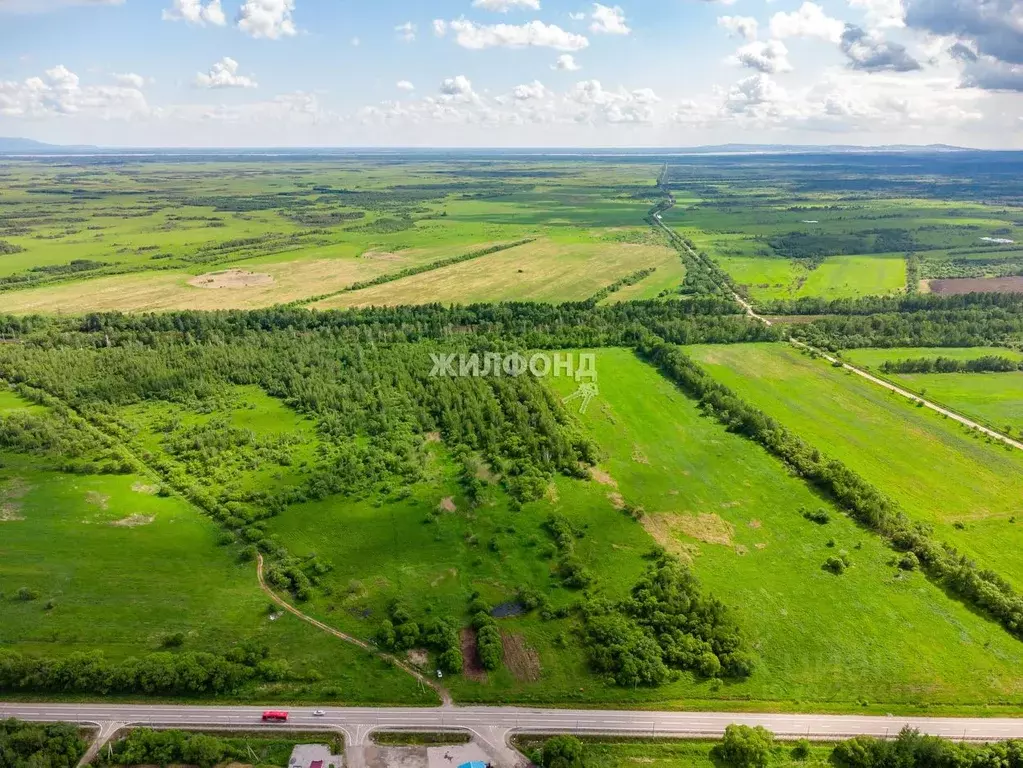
x,y
30,146
823,148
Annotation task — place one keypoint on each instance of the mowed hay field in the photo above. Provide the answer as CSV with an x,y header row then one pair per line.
x,y
310,273
969,489
544,270
872,634
995,399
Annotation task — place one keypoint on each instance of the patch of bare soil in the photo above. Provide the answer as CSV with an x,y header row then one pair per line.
x,y
383,256
708,528
602,477
960,285
486,474
663,529
433,437
755,524
617,500
447,504
472,667
418,657
522,661
150,490
761,545
10,512
232,278
97,499
133,521
741,550
10,496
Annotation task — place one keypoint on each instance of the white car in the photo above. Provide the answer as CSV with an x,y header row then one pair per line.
x,y
319,713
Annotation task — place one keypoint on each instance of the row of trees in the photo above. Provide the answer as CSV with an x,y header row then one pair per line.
x,y
985,364
865,503
164,673
617,285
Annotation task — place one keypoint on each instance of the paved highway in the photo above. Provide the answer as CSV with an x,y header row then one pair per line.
x,y
359,722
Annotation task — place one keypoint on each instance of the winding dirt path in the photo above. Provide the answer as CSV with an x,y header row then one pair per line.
x,y
851,368
445,697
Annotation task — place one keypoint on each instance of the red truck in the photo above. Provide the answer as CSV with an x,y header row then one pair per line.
x,y
275,716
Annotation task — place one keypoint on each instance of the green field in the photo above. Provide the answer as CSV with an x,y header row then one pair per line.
x,y
119,569
994,399
941,474
274,393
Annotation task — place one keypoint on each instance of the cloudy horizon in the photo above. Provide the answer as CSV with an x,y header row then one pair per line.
x,y
512,73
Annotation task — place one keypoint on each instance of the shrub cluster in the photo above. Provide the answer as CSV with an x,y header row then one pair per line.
x,y
665,626
34,745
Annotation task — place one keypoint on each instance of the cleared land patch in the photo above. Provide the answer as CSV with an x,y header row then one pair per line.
x,y
956,286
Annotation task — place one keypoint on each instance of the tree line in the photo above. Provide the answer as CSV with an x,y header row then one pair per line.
x,y
985,364
156,674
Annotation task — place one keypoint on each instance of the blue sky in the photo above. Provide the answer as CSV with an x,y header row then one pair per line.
x,y
511,72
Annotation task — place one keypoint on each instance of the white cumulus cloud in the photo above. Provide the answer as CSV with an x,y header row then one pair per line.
x,y
503,6
608,20
130,80
533,90
267,19
469,34
194,12
404,85
59,92
770,57
739,26
566,63
809,21
457,88
224,74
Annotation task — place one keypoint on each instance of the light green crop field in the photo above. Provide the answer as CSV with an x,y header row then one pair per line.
x,y
969,489
874,358
995,399
849,277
